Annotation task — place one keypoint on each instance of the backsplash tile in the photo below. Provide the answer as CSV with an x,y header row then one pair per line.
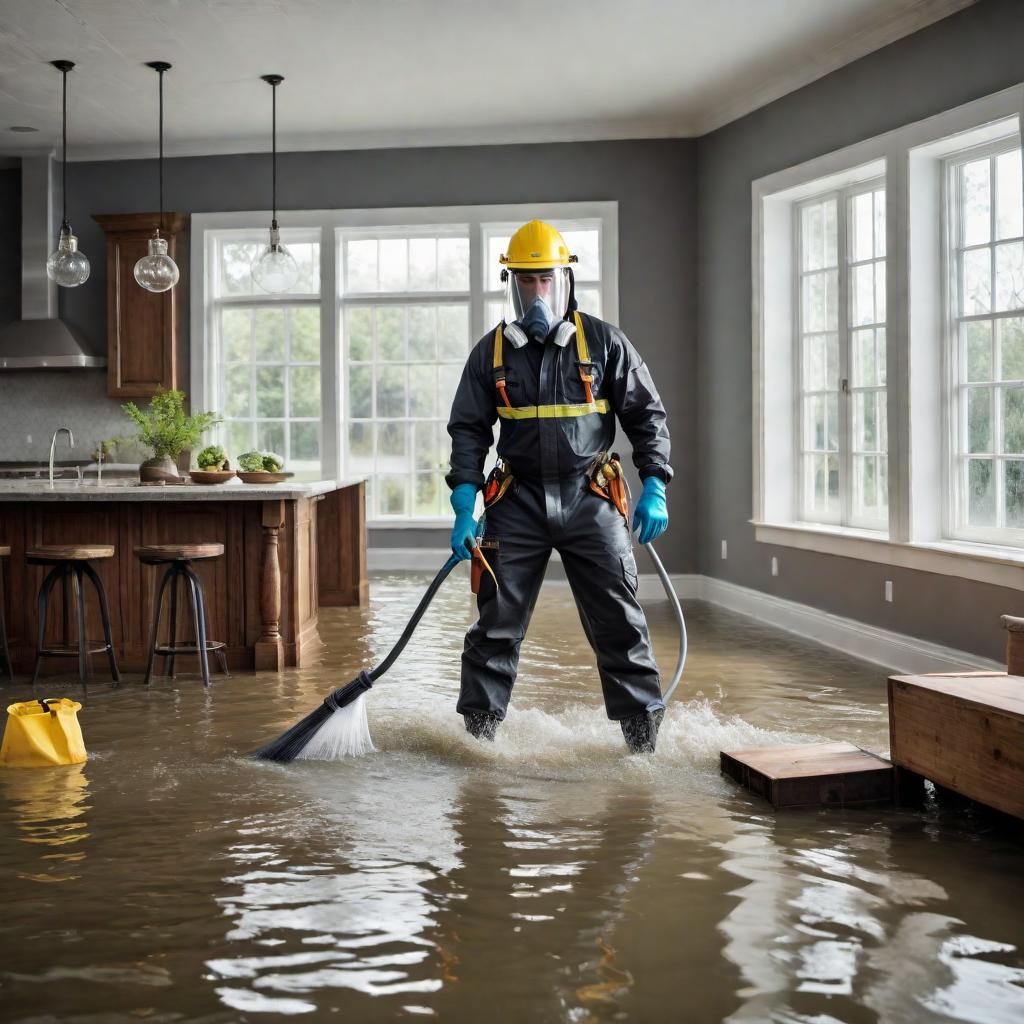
x,y
35,403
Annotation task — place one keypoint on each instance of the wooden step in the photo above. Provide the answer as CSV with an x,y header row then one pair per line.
x,y
812,775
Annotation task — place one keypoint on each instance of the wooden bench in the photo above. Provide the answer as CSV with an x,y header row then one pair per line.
x,y
964,732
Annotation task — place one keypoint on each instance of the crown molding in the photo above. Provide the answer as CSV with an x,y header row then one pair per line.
x,y
905,23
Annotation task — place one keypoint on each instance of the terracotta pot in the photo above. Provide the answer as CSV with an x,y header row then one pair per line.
x,y
159,470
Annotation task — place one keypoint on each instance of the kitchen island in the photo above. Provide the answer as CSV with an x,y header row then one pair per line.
x,y
289,548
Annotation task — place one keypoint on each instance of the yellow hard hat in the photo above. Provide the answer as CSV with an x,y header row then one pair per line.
x,y
536,244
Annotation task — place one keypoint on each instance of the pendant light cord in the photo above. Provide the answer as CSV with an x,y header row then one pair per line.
x,y
161,159
273,81
64,149
273,136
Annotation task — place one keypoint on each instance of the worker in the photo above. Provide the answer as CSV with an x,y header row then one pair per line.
x,y
557,378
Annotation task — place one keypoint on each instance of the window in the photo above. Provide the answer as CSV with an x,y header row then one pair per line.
x,y
405,302
888,344
267,382
353,372
986,341
840,358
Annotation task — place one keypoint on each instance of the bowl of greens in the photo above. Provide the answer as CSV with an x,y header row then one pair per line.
x,y
214,467
261,468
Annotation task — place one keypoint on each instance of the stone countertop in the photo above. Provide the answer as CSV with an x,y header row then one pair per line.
x,y
132,490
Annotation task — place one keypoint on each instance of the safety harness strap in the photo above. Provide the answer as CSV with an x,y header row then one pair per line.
x,y
531,412
498,367
583,364
548,412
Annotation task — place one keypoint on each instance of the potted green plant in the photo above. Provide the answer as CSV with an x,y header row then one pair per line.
x,y
168,430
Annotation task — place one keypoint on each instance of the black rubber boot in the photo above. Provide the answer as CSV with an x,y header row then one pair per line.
x,y
481,724
641,731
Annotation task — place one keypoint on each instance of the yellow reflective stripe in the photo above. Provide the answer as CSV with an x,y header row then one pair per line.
x,y
497,349
581,341
551,412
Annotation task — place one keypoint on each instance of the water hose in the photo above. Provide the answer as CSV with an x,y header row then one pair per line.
x,y
673,598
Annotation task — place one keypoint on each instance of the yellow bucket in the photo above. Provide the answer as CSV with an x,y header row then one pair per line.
x,y
41,733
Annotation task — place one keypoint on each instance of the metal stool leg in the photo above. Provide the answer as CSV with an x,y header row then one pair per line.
x,y
199,626
155,626
57,572
83,644
105,616
8,667
173,638
219,651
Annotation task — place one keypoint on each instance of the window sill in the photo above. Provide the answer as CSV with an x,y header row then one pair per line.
x,y
985,563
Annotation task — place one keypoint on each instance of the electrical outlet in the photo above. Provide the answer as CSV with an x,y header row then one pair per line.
x,y
775,566
888,590
28,439
725,549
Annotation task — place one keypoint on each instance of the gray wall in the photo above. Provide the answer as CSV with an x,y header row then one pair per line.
x,y
973,53
654,183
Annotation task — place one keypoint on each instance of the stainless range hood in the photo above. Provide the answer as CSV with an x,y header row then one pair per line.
x,y
39,340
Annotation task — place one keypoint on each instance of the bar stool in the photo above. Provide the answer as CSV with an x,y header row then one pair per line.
x,y
5,553
179,558
71,562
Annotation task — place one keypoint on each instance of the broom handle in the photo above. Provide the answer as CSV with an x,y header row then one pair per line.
x,y
376,673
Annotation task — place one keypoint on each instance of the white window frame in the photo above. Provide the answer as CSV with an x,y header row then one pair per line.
x,y
845,390
263,301
956,526
331,223
910,160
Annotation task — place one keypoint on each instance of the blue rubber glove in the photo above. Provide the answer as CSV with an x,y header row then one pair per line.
x,y
464,531
651,515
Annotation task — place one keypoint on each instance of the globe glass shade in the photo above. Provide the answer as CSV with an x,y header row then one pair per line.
x,y
275,270
66,265
157,272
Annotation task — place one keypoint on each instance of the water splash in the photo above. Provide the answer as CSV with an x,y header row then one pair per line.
x,y
578,738
345,734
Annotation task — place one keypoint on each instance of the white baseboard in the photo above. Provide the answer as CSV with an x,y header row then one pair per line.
x,y
896,651
904,654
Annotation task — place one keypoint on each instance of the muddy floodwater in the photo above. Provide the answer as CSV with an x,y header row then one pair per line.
x,y
549,877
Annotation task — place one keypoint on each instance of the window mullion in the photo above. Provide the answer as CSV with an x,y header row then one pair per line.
x,y
477,299
843,339
333,452
799,478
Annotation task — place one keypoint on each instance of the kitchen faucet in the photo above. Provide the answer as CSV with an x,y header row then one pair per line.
x,y
53,445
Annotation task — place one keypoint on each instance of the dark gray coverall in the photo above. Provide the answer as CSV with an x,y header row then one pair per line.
x,y
550,506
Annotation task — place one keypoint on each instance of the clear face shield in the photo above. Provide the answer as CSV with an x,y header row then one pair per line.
x,y
525,287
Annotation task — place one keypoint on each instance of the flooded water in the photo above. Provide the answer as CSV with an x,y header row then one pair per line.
x,y
549,877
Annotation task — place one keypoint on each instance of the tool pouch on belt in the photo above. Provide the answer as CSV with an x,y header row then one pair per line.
x,y
489,549
606,479
40,733
497,483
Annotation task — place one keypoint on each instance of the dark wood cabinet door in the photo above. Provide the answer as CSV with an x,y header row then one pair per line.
x,y
142,326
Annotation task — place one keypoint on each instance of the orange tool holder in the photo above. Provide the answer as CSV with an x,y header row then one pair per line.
x,y
480,564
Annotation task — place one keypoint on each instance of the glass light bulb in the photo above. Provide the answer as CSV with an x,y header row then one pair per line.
x,y
157,272
275,270
66,265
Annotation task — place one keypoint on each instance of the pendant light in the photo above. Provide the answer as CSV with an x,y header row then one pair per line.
x,y
66,265
275,270
157,272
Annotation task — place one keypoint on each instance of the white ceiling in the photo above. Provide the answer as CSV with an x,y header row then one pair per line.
x,y
369,73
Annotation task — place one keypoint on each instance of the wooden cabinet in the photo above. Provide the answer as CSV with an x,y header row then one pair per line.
x,y
142,327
